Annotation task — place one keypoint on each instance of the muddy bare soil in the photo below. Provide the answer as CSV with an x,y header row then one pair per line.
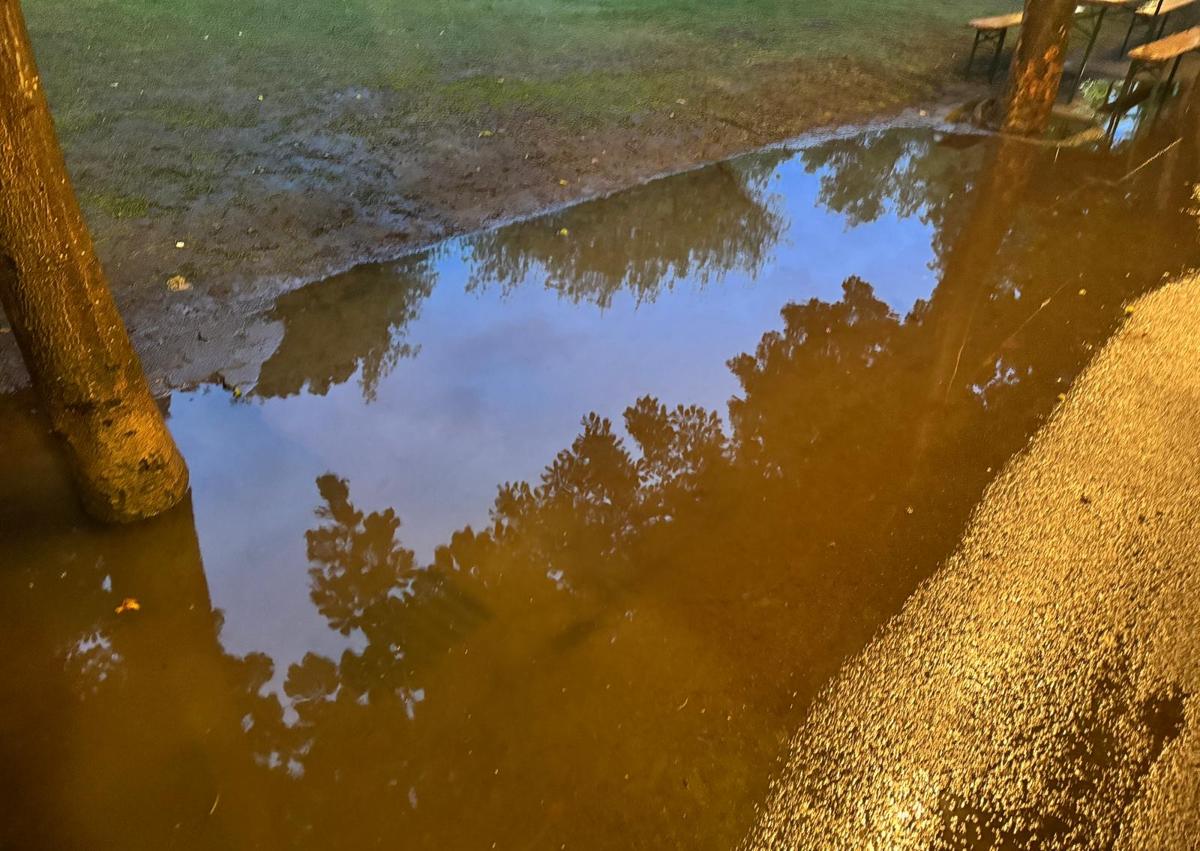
x,y
305,190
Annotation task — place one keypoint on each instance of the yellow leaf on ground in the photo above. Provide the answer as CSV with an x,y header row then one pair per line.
x,y
129,604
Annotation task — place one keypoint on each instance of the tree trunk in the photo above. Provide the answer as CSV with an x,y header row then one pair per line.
x,y
1038,66
63,316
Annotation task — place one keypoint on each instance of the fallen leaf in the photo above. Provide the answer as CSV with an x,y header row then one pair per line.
x,y
486,134
178,284
564,182
129,604
181,244
564,232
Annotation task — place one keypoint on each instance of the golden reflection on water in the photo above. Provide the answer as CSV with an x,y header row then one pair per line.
x,y
617,657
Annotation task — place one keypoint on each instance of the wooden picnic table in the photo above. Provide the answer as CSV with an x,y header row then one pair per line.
x,y
1088,19
1152,61
1156,11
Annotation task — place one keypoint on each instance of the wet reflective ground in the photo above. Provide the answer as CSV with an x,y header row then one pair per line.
x,y
417,601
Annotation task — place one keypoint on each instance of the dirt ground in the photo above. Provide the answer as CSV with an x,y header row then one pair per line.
x,y
298,189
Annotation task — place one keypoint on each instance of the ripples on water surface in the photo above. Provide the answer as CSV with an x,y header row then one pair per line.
x,y
548,537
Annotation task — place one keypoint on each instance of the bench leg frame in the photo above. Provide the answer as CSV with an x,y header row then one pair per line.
x,y
996,37
1089,23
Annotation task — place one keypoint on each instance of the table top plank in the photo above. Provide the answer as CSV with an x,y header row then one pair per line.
x,y
1169,47
997,22
1151,8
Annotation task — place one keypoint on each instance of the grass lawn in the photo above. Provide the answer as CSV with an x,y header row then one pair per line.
x,y
204,63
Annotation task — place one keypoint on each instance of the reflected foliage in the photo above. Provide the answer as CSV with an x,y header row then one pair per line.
x,y
698,226
351,324
619,649
767,553
905,172
363,581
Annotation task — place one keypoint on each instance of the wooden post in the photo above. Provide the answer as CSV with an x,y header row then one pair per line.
x,y
57,299
1037,66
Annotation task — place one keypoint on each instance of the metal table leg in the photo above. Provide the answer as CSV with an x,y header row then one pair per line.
x,y
971,58
996,55
1087,53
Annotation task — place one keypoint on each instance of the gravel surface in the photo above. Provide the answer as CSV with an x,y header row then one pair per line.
x,y
1037,692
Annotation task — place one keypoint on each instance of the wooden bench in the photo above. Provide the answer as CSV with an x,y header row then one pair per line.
x,y
1153,13
992,30
1151,61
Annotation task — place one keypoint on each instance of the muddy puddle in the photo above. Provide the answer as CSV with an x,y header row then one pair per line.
x,y
548,537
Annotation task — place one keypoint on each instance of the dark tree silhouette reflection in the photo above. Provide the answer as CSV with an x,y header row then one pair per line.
x,y
910,172
700,225
120,725
351,323
618,651
656,582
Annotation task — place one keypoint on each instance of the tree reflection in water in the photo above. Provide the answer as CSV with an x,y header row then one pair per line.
x,y
910,172
658,602
615,657
351,323
699,226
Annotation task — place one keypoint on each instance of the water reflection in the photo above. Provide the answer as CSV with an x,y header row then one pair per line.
x,y
353,323
120,729
697,226
613,656
910,171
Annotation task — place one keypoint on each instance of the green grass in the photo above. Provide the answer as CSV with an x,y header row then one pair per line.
x,y
136,85
290,48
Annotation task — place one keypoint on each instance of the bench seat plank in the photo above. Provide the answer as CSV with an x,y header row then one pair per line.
x,y
997,22
1171,47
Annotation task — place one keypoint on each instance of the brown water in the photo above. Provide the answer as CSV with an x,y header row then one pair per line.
x,y
338,644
